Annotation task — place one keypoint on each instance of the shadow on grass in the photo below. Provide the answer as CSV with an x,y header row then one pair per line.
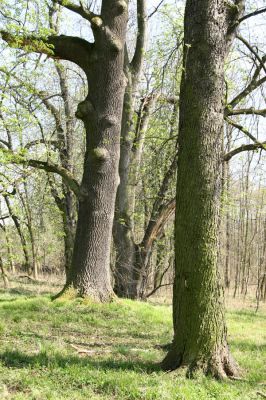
x,y
94,344
20,293
247,313
17,359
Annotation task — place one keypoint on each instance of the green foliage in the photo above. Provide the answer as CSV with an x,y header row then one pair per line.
x,y
39,357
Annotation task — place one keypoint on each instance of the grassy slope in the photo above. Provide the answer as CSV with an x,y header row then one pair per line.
x,y
38,360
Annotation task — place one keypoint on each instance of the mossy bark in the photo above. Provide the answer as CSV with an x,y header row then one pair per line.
x,y
200,340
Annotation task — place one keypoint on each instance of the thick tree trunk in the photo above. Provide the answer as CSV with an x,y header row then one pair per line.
x,y
199,323
101,113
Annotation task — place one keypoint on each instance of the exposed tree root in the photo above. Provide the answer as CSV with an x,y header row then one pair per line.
x,y
90,294
219,365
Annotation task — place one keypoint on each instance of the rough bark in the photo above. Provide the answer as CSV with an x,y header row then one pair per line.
x,y
101,112
198,312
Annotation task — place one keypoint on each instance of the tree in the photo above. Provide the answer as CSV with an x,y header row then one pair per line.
x,y
133,250
122,229
200,340
102,62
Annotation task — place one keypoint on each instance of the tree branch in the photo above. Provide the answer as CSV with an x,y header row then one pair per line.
x,y
244,147
244,130
155,9
83,11
251,49
253,85
253,14
47,166
137,60
157,288
68,48
245,111
156,224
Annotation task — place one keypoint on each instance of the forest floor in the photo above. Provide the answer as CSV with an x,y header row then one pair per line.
x,y
76,350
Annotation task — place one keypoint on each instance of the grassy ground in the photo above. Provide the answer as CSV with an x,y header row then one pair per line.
x,y
71,350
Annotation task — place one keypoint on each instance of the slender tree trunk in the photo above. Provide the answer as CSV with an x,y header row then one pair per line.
x,y
123,227
132,258
4,275
227,271
29,223
9,248
66,157
124,214
21,235
198,311
128,256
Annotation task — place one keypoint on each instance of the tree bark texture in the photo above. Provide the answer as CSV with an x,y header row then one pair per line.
x,y
101,113
198,311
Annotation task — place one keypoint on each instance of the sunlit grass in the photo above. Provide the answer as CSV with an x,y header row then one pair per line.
x,y
71,350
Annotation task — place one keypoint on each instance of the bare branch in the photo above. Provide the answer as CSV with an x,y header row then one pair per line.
x,y
244,130
83,11
47,166
244,147
157,288
253,85
255,53
246,111
253,14
156,224
155,9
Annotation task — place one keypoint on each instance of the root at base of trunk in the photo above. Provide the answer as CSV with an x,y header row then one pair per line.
x,y
90,295
220,365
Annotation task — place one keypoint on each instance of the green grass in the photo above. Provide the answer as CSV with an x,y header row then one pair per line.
x,y
39,358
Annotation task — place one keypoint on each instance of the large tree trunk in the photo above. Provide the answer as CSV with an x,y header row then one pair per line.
x,y
101,113
198,312
102,61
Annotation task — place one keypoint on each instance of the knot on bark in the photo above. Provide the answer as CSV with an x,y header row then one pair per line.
x,y
99,154
85,110
96,22
111,120
114,41
121,6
